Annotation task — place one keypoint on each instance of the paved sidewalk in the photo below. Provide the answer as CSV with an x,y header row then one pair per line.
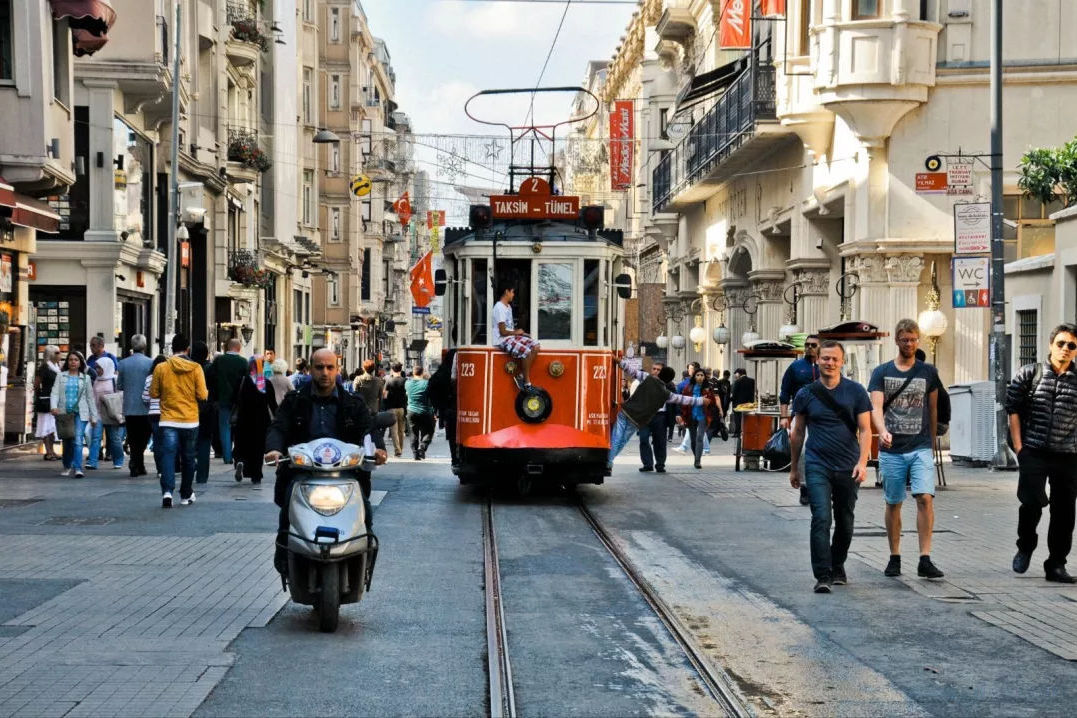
x,y
149,600
974,544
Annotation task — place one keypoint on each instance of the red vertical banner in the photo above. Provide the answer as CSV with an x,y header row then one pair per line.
x,y
735,25
773,8
622,142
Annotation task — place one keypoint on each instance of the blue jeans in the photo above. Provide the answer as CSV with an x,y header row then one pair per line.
x,y
177,441
653,435
833,497
72,448
114,434
622,432
224,430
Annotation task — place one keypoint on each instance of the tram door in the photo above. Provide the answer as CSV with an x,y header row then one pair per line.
x,y
516,272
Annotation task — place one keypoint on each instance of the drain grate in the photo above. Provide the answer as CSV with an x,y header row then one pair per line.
x,y
79,521
15,503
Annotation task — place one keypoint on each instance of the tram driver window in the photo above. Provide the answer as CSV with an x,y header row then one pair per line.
x,y
555,301
590,302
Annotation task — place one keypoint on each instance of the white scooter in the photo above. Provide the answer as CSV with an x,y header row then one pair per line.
x,y
331,551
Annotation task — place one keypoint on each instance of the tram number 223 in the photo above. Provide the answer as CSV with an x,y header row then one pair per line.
x,y
599,372
467,369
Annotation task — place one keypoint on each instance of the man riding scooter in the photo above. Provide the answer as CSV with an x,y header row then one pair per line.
x,y
320,408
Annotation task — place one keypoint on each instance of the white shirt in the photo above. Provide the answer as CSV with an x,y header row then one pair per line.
x,y
502,314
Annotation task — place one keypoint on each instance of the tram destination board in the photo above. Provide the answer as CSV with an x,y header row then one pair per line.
x,y
535,200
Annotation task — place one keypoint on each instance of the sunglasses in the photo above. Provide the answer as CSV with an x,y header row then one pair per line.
x,y
811,345
1065,345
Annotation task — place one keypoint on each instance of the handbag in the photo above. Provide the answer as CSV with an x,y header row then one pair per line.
x,y
112,408
65,426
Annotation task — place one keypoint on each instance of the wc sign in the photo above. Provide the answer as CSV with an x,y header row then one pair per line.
x,y
972,281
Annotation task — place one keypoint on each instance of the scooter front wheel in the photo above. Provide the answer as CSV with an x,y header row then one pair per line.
x,y
328,603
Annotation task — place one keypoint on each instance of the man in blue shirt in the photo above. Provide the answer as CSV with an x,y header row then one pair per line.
x,y
836,412
799,374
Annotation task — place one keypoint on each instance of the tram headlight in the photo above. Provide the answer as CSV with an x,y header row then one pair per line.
x,y
533,405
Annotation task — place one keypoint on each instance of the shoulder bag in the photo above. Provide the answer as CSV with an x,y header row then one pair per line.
x,y
821,393
908,380
112,406
65,422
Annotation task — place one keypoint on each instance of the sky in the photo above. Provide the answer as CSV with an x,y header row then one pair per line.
x,y
444,51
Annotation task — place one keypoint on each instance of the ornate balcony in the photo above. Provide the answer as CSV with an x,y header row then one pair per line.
x,y
741,127
246,267
246,159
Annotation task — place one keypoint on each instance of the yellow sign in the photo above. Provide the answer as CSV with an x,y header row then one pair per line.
x,y
360,185
435,238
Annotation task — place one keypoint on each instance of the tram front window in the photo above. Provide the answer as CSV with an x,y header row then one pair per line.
x,y
554,301
590,302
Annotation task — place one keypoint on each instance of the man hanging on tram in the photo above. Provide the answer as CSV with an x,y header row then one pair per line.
x,y
515,342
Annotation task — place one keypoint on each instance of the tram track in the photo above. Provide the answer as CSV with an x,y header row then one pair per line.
x,y
714,680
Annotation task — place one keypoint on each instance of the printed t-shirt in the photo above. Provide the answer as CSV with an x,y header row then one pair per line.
x,y
908,418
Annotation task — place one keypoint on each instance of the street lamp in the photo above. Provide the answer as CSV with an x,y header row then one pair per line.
x,y
247,331
661,341
933,323
677,341
325,137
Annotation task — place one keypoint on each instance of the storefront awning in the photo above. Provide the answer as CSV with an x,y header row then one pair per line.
x,y
27,212
90,21
703,86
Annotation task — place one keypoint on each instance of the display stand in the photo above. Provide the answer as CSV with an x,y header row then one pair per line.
x,y
758,424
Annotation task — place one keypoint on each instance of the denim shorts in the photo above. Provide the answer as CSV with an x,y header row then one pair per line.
x,y
916,466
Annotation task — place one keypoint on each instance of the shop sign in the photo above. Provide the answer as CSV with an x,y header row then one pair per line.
x,y
420,310
31,270
185,254
931,183
435,218
971,281
735,26
6,279
959,175
972,228
622,139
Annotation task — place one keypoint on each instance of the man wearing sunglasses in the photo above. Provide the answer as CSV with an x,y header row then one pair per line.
x,y
798,375
1041,402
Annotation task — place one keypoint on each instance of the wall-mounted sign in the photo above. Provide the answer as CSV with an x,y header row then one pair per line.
x,y
31,270
972,281
972,228
435,218
931,183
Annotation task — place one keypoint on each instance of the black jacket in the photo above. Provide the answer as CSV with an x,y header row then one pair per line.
x,y
743,391
1048,410
291,423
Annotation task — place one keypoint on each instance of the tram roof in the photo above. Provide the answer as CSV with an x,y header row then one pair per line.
x,y
525,230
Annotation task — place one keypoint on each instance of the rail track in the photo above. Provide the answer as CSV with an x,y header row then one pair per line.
x,y
501,696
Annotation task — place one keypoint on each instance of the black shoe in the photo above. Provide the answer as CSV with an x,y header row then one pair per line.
x,y
644,469
1058,574
659,469
893,567
822,586
607,471
256,481
698,465
1021,560
239,471
926,569
840,579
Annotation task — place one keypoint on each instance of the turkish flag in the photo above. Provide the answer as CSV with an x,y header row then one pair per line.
x,y
422,280
402,207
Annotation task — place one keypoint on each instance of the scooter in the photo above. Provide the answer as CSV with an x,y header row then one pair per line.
x,y
331,550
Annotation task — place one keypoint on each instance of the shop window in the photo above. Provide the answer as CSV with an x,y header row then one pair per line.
x,y
1027,330
555,300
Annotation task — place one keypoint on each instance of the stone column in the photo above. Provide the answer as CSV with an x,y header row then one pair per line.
x,y
768,286
813,292
101,301
102,179
888,286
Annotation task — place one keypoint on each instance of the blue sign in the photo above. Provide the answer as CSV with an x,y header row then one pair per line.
x,y
420,310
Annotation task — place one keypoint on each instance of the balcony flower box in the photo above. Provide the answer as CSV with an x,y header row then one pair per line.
x,y
245,150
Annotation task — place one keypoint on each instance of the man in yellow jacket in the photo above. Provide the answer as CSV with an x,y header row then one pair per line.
x,y
180,385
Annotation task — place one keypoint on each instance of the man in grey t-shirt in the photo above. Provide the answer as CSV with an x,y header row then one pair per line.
x,y
904,395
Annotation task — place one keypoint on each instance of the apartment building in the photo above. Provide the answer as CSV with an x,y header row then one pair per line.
x,y
782,176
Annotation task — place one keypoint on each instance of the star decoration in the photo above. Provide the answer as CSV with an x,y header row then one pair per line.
x,y
493,151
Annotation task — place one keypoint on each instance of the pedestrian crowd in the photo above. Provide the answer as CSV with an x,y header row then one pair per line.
x,y
190,406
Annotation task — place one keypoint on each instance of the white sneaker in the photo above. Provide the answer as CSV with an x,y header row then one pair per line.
x,y
166,500
67,472
187,501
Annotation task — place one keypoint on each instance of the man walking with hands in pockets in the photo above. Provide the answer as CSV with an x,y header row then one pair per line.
x,y
836,413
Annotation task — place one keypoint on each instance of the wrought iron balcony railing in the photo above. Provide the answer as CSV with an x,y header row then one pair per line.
x,y
726,126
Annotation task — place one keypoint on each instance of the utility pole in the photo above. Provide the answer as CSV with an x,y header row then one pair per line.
x,y
999,354
173,194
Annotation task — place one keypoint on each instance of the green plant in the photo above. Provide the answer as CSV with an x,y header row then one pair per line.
x,y
247,31
250,275
246,151
1049,173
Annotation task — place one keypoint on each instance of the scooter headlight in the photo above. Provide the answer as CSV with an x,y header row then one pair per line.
x,y
328,499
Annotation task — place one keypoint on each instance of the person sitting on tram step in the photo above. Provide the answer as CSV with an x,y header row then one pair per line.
x,y
651,395
515,342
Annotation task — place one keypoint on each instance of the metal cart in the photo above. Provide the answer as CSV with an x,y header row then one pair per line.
x,y
758,424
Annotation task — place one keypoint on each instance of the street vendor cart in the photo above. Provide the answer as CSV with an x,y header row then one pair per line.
x,y
759,419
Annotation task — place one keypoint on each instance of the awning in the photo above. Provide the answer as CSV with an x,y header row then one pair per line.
x,y
703,86
27,212
90,21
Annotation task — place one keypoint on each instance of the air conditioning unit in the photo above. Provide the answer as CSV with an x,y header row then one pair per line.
x,y
972,422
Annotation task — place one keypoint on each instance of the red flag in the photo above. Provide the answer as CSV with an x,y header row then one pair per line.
x,y
622,138
402,207
773,8
422,280
735,25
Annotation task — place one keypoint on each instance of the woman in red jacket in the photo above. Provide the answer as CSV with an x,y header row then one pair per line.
x,y
698,418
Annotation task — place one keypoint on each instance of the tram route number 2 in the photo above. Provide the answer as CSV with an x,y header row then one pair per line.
x,y
467,369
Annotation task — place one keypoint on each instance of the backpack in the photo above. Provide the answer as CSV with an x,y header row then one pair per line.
x,y
942,407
